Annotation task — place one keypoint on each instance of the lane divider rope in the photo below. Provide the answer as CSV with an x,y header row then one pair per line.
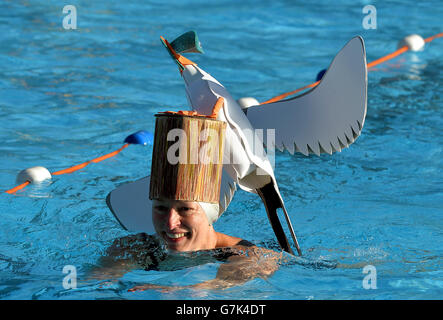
x,y
72,169
369,65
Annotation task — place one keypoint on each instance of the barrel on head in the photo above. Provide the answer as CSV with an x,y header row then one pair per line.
x,y
187,158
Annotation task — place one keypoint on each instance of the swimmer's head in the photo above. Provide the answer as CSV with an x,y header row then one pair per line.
x,y
185,225
186,194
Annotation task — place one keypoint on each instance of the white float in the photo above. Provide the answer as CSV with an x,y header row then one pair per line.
x,y
414,42
33,175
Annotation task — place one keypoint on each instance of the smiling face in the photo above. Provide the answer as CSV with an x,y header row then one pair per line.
x,y
182,225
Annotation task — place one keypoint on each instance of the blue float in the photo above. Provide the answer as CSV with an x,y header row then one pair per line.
x,y
140,137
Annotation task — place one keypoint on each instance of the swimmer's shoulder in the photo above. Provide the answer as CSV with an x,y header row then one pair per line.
x,y
224,240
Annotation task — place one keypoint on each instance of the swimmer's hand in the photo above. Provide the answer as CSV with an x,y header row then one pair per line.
x,y
256,262
125,254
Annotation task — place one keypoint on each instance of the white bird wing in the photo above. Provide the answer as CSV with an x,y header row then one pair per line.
x,y
132,207
329,117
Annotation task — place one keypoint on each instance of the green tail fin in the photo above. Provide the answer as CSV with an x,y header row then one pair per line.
x,y
187,42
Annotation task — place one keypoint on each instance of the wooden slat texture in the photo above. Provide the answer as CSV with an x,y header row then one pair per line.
x,y
199,155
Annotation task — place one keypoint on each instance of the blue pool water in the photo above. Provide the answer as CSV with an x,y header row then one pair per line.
x,y
67,96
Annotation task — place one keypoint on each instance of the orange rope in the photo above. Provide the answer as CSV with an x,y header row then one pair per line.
x,y
19,187
438,35
369,65
72,169
82,165
284,95
388,57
